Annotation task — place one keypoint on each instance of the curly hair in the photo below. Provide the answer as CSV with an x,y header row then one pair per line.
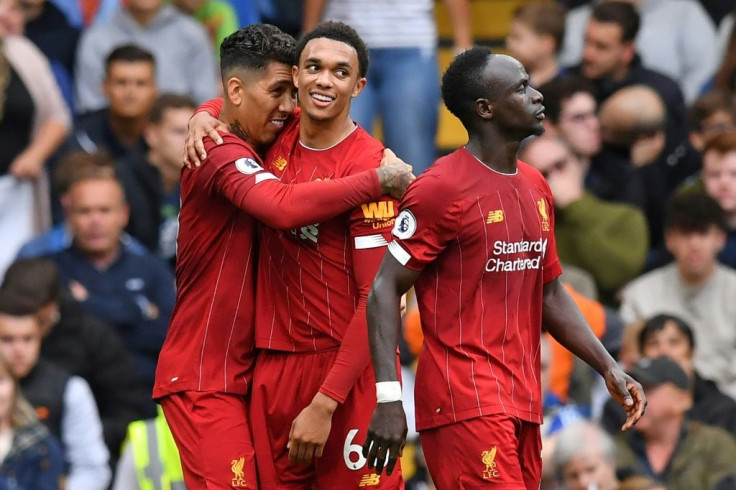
x,y
338,31
253,47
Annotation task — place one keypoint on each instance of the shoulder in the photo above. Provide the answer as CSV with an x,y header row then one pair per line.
x,y
360,151
533,176
716,437
187,25
648,281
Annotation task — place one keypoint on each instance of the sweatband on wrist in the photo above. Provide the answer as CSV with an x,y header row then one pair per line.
x,y
388,391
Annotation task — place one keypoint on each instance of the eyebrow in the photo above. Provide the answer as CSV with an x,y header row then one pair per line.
x,y
341,64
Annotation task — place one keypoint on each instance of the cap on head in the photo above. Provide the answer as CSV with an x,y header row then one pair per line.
x,y
658,371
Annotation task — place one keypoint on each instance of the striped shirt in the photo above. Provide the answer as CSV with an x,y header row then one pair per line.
x,y
484,243
388,23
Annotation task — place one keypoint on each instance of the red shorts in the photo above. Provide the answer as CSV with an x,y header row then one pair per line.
x,y
494,451
285,383
212,433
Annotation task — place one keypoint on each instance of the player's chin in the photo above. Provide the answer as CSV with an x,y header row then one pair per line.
x,y
537,129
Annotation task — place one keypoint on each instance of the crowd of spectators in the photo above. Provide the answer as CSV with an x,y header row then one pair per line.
x,y
639,153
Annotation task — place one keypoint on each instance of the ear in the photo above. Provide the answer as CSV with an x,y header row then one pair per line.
x,y
359,87
484,109
669,240
150,135
234,90
126,216
697,140
295,75
629,53
549,44
721,239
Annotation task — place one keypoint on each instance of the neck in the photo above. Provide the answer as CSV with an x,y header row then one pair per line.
x,y
324,133
544,71
128,130
494,151
235,127
666,433
170,173
103,260
143,17
697,279
584,164
620,73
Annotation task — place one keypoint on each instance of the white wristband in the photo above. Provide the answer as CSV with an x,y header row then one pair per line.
x,y
388,391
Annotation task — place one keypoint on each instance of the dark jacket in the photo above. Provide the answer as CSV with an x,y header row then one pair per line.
x,y
44,389
93,133
135,295
91,349
35,461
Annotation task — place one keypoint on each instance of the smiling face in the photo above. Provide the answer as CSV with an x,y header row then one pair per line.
x,y
262,100
327,78
516,107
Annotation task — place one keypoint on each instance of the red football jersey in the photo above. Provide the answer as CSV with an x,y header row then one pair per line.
x,y
210,339
311,278
484,243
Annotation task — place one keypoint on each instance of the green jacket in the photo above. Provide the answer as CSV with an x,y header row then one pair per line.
x,y
705,456
609,240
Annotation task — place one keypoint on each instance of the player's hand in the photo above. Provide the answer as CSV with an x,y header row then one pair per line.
x,y
386,437
394,174
310,430
628,393
201,125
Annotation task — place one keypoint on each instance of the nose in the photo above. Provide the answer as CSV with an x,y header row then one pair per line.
x,y
324,79
536,95
288,103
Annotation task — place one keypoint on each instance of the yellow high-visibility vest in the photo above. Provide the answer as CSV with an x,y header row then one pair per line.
x,y
156,458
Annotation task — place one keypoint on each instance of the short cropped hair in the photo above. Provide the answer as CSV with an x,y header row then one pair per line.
x,y
657,324
559,90
462,83
168,101
708,104
544,18
337,31
693,212
12,304
129,53
80,165
34,279
581,438
721,143
253,47
623,14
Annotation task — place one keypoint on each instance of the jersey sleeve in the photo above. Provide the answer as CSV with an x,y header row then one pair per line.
x,y
235,172
213,107
551,268
427,221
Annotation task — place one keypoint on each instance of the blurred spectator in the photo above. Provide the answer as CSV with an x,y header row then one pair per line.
x,y
33,123
607,239
179,44
713,113
217,16
719,180
403,81
30,457
571,114
75,166
665,445
130,89
83,13
51,32
632,131
64,403
640,483
535,37
150,458
83,346
151,180
695,288
677,39
584,458
610,60
667,335
133,293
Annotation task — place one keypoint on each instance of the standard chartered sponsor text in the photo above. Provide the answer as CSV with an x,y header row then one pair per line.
x,y
501,247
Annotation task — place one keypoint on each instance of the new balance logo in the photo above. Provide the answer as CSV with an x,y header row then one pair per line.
x,y
280,163
369,480
495,216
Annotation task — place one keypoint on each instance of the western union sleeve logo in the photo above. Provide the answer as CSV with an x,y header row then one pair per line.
x,y
378,210
494,216
542,205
